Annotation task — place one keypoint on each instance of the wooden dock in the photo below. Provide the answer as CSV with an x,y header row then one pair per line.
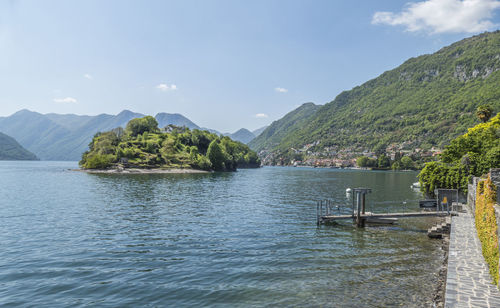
x,y
326,212
332,218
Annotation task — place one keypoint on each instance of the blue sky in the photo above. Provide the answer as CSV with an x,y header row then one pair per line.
x,y
223,64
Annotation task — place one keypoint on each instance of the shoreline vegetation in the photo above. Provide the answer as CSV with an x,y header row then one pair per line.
x,y
141,171
144,148
468,155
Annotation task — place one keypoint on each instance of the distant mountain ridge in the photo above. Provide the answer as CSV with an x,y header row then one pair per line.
x,y
242,135
66,136
10,149
165,119
425,102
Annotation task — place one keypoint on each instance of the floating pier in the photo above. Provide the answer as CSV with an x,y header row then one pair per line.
x,y
325,211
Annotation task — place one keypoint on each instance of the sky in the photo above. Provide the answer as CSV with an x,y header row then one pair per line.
x,y
224,64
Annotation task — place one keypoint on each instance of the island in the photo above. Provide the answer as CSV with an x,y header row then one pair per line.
x,y
142,147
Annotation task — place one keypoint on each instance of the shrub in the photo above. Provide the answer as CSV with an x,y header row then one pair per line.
x,y
486,225
98,161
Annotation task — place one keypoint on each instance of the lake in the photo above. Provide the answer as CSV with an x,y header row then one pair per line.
x,y
240,239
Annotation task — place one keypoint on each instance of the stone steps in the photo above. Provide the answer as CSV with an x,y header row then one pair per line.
x,y
440,229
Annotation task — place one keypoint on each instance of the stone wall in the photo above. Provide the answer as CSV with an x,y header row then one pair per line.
x,y
471,195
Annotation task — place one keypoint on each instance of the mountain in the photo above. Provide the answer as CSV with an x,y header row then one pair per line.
x,y
165,119
213,131
10,149
273,136
425,102
242,135
66,136
259,131
35,132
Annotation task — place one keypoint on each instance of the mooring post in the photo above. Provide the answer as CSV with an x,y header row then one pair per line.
x,y
363,202
360,205
317,213
362,220
358,208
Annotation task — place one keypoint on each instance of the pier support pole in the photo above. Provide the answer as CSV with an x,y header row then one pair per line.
x,y
358,208
317,213
361,205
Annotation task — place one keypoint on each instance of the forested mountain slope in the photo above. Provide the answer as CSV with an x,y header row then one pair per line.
x,y
425,102
274,135
10,149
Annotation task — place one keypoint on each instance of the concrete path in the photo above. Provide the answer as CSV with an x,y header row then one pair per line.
x,y
468,282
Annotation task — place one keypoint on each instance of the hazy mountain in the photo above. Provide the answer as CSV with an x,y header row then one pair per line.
x,y
10,149
242,135
66,136
165,119
426,101
293,121
213,131
259,131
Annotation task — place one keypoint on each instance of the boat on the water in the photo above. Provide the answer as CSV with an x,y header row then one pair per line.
x,y
427,203
415,185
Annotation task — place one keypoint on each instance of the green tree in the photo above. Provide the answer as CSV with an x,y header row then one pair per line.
x,y
484,112
98,161
216,156
407,163
141,125
471,154
362,161
383,161
396,165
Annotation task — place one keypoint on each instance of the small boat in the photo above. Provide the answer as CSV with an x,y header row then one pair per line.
x,y
415,185
427,203
348,191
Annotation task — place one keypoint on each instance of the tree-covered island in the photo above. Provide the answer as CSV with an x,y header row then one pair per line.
x,y
143,145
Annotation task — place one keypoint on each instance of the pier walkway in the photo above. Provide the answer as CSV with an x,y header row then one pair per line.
x,y
468,282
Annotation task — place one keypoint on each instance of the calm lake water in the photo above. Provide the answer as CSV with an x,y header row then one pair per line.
x,y
247,238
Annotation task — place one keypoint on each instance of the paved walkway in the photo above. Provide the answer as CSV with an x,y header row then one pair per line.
x,y
468,282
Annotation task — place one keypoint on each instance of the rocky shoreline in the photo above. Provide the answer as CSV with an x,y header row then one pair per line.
x,y
438,296
140,171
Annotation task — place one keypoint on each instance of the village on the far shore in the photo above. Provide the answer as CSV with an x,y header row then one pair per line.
x,y
337,157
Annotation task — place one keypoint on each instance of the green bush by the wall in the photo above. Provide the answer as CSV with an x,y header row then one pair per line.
x,y
486,225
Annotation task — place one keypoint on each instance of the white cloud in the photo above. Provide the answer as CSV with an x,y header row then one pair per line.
x,y
442,16
280,90
65,100
88,76
165,87
261,115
